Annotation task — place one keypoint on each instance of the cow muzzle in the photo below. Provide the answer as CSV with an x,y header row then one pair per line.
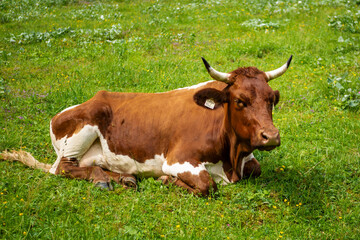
x,y
268,139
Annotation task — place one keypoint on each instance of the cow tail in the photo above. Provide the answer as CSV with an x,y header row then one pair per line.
x,y
26,158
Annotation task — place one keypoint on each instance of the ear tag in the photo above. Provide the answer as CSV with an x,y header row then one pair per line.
x,y
209,103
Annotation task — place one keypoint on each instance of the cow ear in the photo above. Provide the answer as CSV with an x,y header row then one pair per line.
x,y
210,98
277,97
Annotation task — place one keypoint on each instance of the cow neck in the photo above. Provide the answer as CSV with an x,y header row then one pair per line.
x,y
237,150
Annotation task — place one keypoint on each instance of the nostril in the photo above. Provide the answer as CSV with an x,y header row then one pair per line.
x,y
265,136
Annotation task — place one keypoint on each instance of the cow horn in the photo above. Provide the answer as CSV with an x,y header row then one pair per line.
x,y
278,72
218,76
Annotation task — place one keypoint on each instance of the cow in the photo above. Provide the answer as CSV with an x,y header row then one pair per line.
x,y
194,137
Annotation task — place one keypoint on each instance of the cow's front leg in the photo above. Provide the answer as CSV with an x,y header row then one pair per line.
x,y
200,184
196,179
69,167
252,168
126,180
193,186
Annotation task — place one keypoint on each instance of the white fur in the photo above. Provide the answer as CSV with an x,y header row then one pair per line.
x,y
245,160
217,172
195,86
178,168
69,108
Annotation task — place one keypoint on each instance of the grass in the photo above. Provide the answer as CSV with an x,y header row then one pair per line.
x,y
57,53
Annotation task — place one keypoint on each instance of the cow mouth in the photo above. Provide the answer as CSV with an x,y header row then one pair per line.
x,y
266,148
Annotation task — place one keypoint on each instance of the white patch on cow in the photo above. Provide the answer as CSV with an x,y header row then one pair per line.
x,y
93,157
66,109
217,172
53,141
178,168
245,160
195,86
75,146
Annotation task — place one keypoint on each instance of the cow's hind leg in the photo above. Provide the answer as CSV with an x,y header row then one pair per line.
x,y
94,157
69,167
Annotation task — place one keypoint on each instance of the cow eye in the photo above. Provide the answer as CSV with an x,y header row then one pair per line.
x,y
240,103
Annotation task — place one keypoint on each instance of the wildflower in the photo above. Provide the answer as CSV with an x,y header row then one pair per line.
x,y
20,214
84,198
162,235
340,217
177,226
274,207
285,200
281,169
24,233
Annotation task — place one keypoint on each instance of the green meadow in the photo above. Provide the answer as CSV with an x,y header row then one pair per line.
x,y
58,53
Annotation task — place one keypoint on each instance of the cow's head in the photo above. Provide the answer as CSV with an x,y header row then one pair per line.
x,y
250,101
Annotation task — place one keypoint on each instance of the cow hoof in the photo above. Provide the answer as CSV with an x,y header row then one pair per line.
x,y
129,182
104,185
167,179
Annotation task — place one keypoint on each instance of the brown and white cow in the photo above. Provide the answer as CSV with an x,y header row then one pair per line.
x,y
193,137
